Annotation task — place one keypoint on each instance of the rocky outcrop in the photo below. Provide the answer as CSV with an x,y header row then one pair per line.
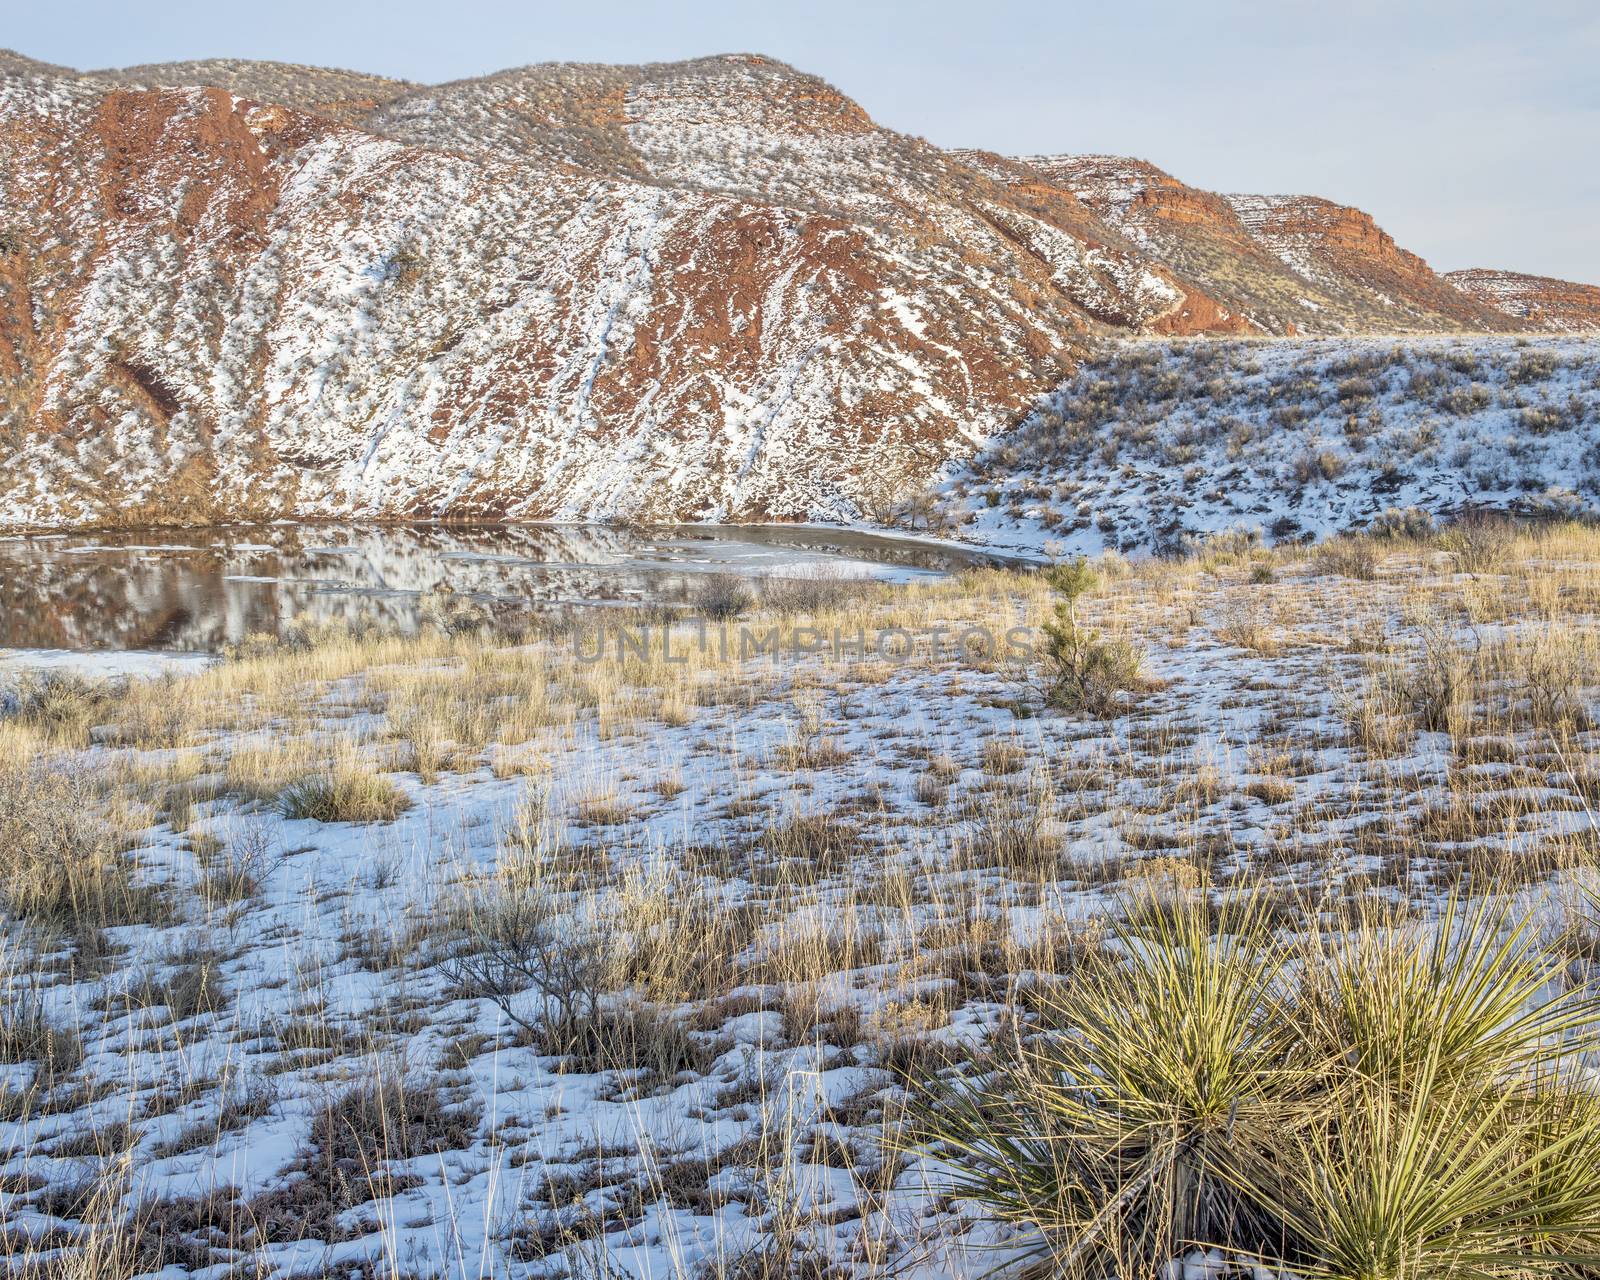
x,y
1108,275
429,306
712,289
1286,264
1346,253
1554,306
1318,232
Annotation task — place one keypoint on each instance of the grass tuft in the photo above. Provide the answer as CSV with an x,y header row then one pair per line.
x,y
344,795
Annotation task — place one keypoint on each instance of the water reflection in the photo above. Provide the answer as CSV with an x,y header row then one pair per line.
x,y
199,589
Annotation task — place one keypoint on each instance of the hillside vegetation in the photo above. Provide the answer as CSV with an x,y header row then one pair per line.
x,y
1150,445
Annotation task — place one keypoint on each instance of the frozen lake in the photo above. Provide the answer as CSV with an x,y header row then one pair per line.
x,y
194,590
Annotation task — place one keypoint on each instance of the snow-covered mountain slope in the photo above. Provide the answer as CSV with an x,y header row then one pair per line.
x,y
702,290
1152,443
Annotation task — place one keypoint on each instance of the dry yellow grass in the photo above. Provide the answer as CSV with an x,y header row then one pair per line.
x,y
886,866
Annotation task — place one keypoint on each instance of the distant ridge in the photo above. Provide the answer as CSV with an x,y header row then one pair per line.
x,y
1555,306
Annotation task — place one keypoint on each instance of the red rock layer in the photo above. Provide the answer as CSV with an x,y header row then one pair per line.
x,y
1555,306
1289,264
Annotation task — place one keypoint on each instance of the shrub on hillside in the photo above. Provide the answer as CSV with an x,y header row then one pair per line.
x,y
1478,542
1464,400
1349,557
721,597
1534,366
1542,419
1318,464
814,591
1402,522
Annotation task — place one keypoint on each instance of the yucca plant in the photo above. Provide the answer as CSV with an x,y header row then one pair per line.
x,y
1560,1123
1467,993
1449,1179
1129,1134
1370,1105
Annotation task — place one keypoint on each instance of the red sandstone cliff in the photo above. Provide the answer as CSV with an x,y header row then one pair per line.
x,y
1287,264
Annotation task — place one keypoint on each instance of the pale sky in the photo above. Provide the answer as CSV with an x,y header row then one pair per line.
x,y
1470,130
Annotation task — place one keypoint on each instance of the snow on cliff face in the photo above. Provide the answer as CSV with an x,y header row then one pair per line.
x,y
701,290
711,289
1283,264
1558,306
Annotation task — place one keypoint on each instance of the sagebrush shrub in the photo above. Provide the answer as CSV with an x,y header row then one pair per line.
x,y
722,597
1402,522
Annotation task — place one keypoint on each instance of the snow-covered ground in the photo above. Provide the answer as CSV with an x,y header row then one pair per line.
x,y
777,889
124,662
1153,443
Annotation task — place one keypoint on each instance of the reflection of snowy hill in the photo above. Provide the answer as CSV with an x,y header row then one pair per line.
x,y
211,587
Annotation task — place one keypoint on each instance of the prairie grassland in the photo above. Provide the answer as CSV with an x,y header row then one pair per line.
x,y
1238,903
